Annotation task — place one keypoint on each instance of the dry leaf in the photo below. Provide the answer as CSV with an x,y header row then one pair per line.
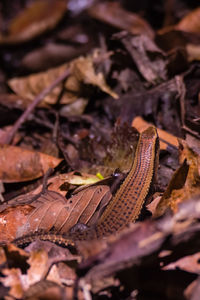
x,y
190,22
13,101
193,159
51,210
54,211
81,71
193,52
52,54
30,86
4,133
20,208
113,14
185,182
36,19
55,184
166,137
42,258
150,60
188,263
179,35
18,164
14,280
38,262
170,197
43,289
11,219
75,179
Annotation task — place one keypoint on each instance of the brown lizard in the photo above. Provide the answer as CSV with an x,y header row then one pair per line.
x,y
125,206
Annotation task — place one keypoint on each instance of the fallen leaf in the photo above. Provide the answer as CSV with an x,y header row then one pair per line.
x,y
174,191
74,109
43,289
11,219
166,137
51,55
34,20
185,182
2,256
54,211
190,22
40,261
13,279
50,210
153,204
13,101
4,132
150,60
82,179
30,86
186,31
193,52
193,159
82,70
113,14
18,164
188,263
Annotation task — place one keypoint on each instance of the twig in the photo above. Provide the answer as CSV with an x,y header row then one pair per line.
x,y
31,107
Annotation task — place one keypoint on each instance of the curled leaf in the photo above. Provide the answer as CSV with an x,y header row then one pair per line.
x,y
185,182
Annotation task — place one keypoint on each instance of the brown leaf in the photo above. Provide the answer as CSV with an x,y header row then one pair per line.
x,y
16,214
35,20
185,182
55,184
152,206
11,220
38,262
52,54
150,60
138,246
113,14
14,280
190,22
2,256
41,261
82,71
18,164
43,289
53,255
4,132
50,210
193,159
173,194
188,263
166,137
30,86
13,101
185,31
193,52
54,211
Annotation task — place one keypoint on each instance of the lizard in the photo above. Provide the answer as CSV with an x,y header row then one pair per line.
x,y
124,207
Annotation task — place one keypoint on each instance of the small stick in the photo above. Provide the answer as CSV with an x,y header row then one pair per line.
x,y
32,105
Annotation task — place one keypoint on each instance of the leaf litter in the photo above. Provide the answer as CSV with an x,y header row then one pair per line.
x,y
81,116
